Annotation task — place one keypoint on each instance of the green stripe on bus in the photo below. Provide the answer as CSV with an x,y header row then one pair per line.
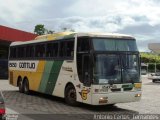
x,y
53,77
45,77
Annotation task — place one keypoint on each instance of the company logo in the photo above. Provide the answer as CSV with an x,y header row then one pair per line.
x,y
84,94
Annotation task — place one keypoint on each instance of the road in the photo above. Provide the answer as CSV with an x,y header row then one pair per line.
x,y
43,107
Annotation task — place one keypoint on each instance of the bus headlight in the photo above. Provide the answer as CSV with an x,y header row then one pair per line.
x,y
103,100
137,95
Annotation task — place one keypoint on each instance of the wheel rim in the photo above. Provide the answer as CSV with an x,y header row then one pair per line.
x,y
72,95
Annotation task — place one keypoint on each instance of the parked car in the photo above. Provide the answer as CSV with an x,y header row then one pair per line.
x,y
143,72
2,107
155,77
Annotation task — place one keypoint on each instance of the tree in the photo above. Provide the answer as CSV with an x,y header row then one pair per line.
x,y
39,29
49,31
68,29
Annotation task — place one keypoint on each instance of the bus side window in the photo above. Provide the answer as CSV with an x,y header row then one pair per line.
x,y
62,50
12,52
49,52
52,49
69,48
21,52
55,49
40,50
83,44
30,51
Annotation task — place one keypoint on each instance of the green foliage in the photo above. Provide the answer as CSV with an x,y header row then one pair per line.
x,y
150,58
39,29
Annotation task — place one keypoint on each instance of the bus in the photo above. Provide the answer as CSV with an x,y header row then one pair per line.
x,y
91,68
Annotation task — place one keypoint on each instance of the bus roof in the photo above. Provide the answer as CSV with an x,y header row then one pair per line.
x,y
63,35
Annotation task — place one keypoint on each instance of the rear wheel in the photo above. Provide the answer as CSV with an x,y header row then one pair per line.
x,y
20,85
26,86
110,105
70,95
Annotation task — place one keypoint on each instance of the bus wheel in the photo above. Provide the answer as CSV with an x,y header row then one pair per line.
x,y
26,86
20,85
110,105
70,95
154,80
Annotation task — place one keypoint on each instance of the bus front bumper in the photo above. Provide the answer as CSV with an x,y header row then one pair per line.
x,y
117,97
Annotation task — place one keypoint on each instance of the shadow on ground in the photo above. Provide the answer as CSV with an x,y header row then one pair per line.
x,y
36,100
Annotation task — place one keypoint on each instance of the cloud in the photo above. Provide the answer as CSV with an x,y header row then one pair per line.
x,y
138,18
15,11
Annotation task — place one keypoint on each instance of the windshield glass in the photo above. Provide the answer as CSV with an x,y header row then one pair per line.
x,y
107,68
114,68
106,44
130,70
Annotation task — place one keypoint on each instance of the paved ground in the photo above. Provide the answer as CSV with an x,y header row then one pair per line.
x,y
38,106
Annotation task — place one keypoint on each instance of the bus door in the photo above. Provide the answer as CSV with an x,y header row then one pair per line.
x,y
87,78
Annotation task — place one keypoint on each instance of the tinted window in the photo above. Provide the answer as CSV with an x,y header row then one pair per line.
x,y
30,51
66,49
83,44
52,50
69,48
21,52
62,49
40,50
12,52
104,44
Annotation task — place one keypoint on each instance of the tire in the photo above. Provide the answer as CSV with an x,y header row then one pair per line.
x,y
26,86
70,95
20,85
153,80
110,105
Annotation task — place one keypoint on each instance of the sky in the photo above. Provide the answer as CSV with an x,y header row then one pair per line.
x,y
139,18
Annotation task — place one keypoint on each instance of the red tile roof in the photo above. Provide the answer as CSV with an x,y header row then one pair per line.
x,y
11,34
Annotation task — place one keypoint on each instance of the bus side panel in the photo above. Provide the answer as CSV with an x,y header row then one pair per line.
x,y
45,76
50,75
35,77
13,77
65,76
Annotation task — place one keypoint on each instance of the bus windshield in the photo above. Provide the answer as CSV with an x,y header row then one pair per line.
x,y
107,44
114,68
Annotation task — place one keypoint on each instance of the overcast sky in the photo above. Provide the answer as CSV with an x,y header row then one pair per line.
x,y
140,18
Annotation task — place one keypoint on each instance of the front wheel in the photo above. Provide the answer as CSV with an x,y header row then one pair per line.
x,y
154,80
20,86
70,95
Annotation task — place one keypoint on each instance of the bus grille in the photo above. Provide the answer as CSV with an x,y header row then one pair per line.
x,y
127,89
116,90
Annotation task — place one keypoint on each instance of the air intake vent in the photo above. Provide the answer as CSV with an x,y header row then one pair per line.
x,y
116,90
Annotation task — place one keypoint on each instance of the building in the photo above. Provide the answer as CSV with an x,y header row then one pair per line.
x,y
8,35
